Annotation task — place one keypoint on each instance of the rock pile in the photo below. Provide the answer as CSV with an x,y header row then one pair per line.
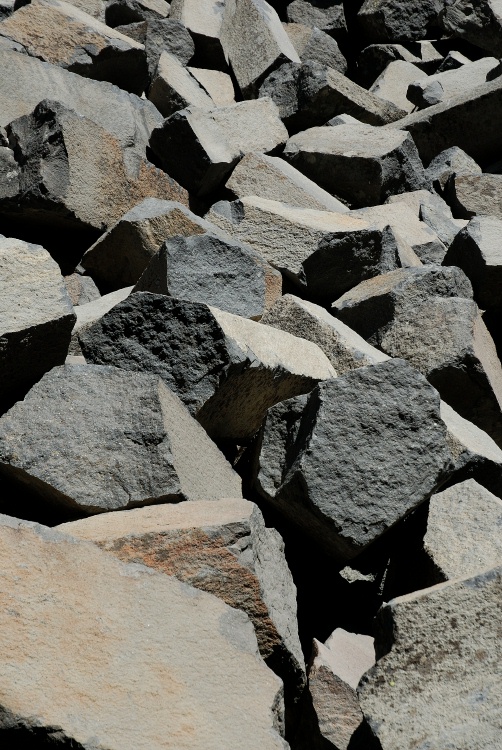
x,y
250,374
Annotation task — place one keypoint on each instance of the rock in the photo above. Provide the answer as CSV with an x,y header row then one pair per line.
x,y
9,174
344,348
387,162
61,34
6,8
227,375
354,456
167,35
473,194
391,21
222,548
128,11
121,255
136,31
90,312
81,289
123,630
254,42
269,176
437,674
128,435
342,120
174,87
216,271
314,44
452,61
480,24
217,85
392,84
327,15
203,19
445,227
36,317
199,148
374,59
448,163
452,83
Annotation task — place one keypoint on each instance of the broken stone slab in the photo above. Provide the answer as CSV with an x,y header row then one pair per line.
x,y
199,148
314,44
81,289
61,34
214,270
116,440
68,163
119,257
174,87
342,120
221,547
203,19
216,84
391,21
479,23
361,164
269,176
451,83
90,312
475,194
448,163
326,16
95,8
227,375
445,228
36,317
437,676
354,456
254,42
392,84
344,348
167,35
123,630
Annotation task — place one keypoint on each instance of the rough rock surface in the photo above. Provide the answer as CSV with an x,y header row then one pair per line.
x,y
479,23
203,19
174,87
448,163
395,21
392,84
472,195
91,312
314,44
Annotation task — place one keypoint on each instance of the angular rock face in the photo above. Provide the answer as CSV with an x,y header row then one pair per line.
x,y
123,630
118,439
328,16
392,84
203,19
393,21
314,44
174,88
480,23
451,83
448,163
91,312
471,195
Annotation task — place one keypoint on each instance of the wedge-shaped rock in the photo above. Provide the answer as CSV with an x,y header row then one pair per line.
x,y
452,61
124,633
199,148
344,348
318,250
91,312
227,370
480,23
435,213
216,84
174,87
64,35
270,177
450,83
69,163
394,21
392,84
356,455
117,439
208,268
327,15
471,195
436,681
203,19
314,44
448,163
361,164
220,547
167,35
122,254
254,42
36,317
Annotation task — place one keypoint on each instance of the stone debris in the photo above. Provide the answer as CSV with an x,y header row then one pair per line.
x,y
473,195
451,83
90,312
395,21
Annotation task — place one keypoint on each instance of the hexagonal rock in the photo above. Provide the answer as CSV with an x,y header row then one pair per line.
x,y
479,23
203,19
174,87
314,44
61,34
393,21
105,439
215,270
470,195
112,640
119,257
437,679
223,548
199,148
327,16
227,370
361,164
353,457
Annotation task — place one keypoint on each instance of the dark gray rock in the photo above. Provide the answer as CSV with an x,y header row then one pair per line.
x,y
89,313
135,30
314,44
167,35
448,163
424,95
327,15
480,23
395,21
475,194
105,439
120,12
356,455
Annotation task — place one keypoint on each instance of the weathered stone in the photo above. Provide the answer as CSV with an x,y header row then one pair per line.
x,y
375,58
480,23
452,61
270,176
217,85
36,317
136,31
342,120
126,638
393,21
360,163
445,227
95,8
314,44
327,15
91,312
470,195
61,34
356,455
115,440
81,289
448,163
167,35
174,87
437,677
199,148
227,370
6,8
451,83
392,84
203,18
254,42
214,270
9,173
121,255
127,11
223,548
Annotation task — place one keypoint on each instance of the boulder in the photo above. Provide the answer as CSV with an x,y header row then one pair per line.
x,y
115,440
174,87
473,194
314,44
393,21
167,35
90,312
479,23
326,15
392,84
451,83
354,456
216,84
128,11
199,148
361,164
437,676
433,211
448,163
126,638
203,19
227,370
36,317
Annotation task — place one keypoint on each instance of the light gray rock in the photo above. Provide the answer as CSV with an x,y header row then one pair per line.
x,y
475,194
6,8
227,375
437,677
167,35
452,61
203,19
314,44
216,84
354,456
393,21
115,440
91,312
328,16
361,164
479,23
375,58
123,633
452,83
392,84
119,257
450,162
81,289
445,228
214,270
95,8
199,148
36,317
342,120
174,87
